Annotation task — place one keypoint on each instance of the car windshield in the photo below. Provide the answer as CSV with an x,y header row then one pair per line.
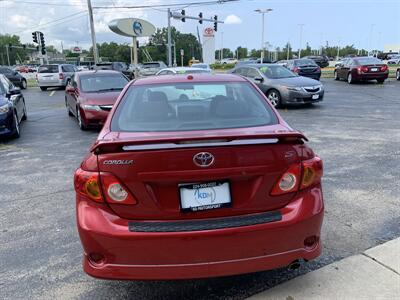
x,y
191,106
276,72
151,65
305,62
100,83
48,69
367,61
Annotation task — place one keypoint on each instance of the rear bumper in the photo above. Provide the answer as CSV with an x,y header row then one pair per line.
x,y
43,83
198,254
315,76
370,76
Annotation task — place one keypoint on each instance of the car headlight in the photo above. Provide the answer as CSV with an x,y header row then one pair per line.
x,y
4,109
91,107
294,88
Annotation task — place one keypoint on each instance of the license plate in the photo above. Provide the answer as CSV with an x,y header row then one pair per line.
x,y
374,69
204,196
314,97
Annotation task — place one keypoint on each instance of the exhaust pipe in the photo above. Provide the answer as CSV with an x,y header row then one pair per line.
x,y
294,265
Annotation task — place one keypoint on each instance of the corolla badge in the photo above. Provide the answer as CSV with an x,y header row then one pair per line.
x,y
137,28
203,159
118,162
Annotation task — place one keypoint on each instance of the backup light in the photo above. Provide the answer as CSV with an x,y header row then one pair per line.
x,y
117,192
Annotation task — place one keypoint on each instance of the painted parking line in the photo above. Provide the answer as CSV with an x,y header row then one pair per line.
x,y
52,93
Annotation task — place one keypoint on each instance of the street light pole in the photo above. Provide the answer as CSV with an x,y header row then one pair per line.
x,y
370,39
301,39
263,12
94,45
169,38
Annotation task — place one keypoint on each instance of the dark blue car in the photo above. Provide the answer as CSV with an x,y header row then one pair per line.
x,y
12,108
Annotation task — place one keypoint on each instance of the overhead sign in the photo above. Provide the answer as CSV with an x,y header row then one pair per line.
x,y
76,49
132,27
208,32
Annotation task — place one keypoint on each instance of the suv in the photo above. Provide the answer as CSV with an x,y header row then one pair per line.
x,y
15,77
321,61
54,75
116,66
151,68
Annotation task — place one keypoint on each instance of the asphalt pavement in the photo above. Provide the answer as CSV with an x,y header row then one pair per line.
x,y
355,130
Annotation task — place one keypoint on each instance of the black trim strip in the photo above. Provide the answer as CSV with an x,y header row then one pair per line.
x,y
199,225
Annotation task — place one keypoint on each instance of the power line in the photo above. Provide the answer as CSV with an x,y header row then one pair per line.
x,y
167,5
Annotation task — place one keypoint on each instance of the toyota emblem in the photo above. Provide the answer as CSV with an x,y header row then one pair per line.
x,y
203,159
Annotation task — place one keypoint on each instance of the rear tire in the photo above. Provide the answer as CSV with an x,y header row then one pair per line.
x,y
24,85
350,78
335,75
43,88
274,98
380,81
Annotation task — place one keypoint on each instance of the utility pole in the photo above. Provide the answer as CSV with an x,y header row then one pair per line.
x,y
263,12
222,47
338,50
169,38
94,45
287,50
8,55
370,39
301,39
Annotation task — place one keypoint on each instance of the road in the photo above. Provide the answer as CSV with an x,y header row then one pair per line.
x,y
355,130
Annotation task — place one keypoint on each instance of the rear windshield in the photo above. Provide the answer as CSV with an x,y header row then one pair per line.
x,y
367,61
102,83
305,62
152,65
276,72
187,106
48,69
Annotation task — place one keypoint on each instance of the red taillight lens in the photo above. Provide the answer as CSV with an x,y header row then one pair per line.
x,y
296,70
289,181
87,184
384,68
115,191
299,176
312,172
61,75
364,69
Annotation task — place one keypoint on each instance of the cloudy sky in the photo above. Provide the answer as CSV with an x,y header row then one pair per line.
x,y
337,21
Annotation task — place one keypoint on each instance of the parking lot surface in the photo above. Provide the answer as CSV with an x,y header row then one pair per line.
x,y
355,130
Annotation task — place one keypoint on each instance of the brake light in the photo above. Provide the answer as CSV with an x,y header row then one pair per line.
x,y
61,75
87,184
90,184
115,191
299,176
384,68
296,70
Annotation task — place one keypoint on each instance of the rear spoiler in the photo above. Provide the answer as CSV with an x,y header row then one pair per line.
x,y
111,146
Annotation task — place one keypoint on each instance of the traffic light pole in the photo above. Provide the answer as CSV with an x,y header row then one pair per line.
x,y
169,38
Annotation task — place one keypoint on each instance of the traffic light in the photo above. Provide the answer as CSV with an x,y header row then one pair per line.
x,y
183,15
201,18
34,37
215,23
42,43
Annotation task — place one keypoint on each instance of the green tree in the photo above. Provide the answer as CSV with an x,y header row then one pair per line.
x,y
241,52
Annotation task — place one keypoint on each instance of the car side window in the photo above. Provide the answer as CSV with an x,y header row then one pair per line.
x,y
164,72
6,83
73,81
253,73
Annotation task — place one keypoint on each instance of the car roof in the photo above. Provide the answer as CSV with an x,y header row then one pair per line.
x,y
177,69
197,77
91,72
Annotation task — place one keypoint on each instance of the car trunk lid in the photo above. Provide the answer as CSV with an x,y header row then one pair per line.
x,y
154,170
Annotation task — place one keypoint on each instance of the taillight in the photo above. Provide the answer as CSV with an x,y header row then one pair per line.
x,y
90,185
312,172
87,184
318,69
115,191
296,70
384,68
61,76
299,176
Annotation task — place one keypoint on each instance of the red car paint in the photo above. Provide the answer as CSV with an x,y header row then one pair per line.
x,y
76,98
115,249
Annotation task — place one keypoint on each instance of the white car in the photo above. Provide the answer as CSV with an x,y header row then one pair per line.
x,y
394,60
182,70
229,61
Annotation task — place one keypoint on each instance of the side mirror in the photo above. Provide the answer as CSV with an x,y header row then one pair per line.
x,y
259,79
13,91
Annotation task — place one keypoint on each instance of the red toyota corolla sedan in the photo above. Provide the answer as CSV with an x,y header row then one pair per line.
x,y
91,95
197,176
